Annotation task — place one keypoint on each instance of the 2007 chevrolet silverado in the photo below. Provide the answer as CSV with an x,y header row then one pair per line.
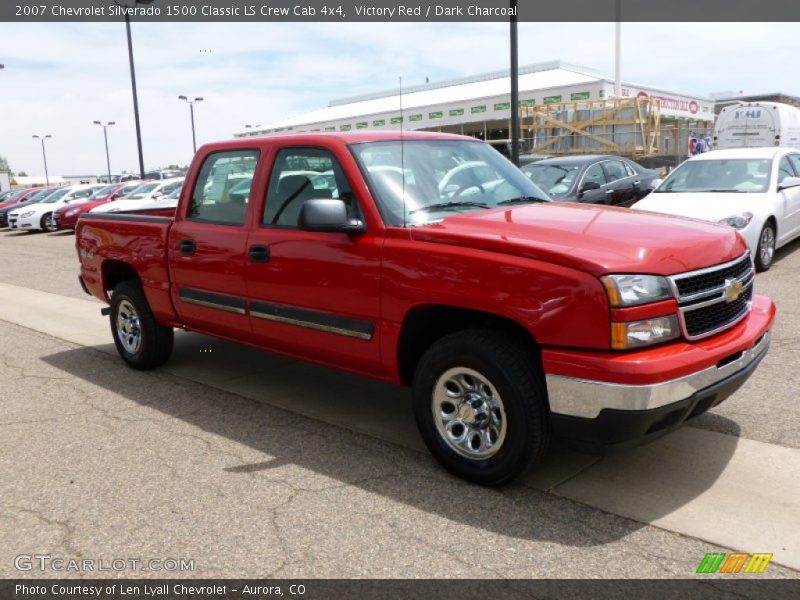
x,y
429,260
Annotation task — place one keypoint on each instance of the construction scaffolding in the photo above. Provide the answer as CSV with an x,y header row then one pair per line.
x,y
628,127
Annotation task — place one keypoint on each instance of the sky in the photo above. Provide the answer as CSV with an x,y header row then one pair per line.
x,y
59,78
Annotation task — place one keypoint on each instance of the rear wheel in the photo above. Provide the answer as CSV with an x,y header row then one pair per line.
x,y
140,340
481,405
766,247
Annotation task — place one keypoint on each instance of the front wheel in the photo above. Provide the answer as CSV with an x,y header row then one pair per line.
x,y
140,340
46,224
480,403
766,247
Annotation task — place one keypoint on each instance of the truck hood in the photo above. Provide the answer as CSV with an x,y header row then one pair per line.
x,y
709,206
591,238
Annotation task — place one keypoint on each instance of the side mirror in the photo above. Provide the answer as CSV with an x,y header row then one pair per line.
x,y
587,187
157,195
326,215
789,182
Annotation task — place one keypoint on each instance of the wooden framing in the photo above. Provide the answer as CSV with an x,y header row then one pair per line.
x,y
626,126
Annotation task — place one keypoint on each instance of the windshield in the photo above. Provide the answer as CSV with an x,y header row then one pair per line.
x,y
55,196
741,175
124,191
142,191
40,195
421,181
553,179
102,192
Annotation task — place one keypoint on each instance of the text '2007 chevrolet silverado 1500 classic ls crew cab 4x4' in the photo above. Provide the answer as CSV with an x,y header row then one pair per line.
x,y
510,316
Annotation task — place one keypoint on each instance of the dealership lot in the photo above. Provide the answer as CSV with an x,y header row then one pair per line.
x,y
251,464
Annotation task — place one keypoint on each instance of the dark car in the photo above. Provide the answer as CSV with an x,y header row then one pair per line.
x,y
594,179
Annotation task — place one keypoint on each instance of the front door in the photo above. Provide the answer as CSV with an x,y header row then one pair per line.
x,y
207,246
791,201
313,295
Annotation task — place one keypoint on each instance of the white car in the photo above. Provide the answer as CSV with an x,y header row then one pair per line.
x,y
150,195
755,190
38,217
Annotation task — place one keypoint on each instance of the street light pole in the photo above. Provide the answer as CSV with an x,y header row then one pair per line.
x,y
133,81
191,114
42,138
105,136
514,87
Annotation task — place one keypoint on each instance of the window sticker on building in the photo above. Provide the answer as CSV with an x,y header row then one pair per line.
x,y
552,99
330,129
456,112
379,122
436,115
580,95
396,120
478,109
346,127
415,118
362,125
602,93
528,102
502,106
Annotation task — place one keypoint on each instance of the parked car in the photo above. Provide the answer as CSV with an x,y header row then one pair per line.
x,y
594,179
153,195
30,199
67,216
20,196
509,316
39,216
754,190
7,194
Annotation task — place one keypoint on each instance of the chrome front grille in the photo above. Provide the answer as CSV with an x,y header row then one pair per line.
x,y
714,299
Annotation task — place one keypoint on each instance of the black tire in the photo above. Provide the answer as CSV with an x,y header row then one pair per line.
x,y
44,224
514,371
154,341
765,253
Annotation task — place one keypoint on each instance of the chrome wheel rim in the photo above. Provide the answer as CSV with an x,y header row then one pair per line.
x,y
767,246
128,327
48,222
469,413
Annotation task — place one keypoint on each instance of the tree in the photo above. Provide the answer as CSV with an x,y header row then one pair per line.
x,y
4,164
22,174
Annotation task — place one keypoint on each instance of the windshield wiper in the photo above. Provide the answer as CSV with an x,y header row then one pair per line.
x,y
521,200
728,191
450,204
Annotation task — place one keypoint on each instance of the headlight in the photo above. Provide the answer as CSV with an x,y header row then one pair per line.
x,y
25,215
630,290
643,333
69,213
739,221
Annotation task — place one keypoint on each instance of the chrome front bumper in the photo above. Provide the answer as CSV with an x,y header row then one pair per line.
x,y
584,398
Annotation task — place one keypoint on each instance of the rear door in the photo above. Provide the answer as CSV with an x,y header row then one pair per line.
x,y
791,199
312,294
207,246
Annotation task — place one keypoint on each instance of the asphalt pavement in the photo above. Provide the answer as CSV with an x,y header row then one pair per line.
x,y
252,465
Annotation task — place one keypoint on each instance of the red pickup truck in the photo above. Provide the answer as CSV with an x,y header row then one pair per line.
x,y
430,261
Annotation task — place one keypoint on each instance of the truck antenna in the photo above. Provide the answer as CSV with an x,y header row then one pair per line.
x,y
402,152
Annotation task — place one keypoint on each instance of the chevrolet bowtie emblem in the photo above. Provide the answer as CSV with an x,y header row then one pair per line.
x,y
733,289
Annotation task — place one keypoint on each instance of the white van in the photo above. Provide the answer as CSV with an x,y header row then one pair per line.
x,y
757,124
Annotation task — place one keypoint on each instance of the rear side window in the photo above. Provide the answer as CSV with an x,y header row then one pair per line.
x,y
302,174
222,190
615,170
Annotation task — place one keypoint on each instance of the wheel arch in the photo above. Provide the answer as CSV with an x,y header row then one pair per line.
x,y
424,325
116,271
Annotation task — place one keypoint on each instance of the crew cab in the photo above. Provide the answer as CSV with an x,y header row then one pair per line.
x,y
511,317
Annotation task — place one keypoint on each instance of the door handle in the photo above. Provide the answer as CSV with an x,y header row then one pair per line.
x,y
258,254
610,191
636,183
188,246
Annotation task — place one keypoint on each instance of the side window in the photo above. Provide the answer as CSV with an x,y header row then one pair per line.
x,y
222,189
794,159
629,169
784,170
615,170
301,174
595,174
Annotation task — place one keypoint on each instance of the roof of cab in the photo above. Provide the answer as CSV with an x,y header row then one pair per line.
x,y
349,137
760,152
